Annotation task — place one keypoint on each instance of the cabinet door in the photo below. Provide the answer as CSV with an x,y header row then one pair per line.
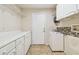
x,y
59,11
65,10
56,41
6,49
3,51
55,46
13,52
20,46
69,9
59,42
52,36
27,42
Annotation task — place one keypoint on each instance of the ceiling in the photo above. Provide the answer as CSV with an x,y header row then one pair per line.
x,y
23,6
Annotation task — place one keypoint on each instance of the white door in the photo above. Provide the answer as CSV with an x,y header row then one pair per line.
x,y
38,25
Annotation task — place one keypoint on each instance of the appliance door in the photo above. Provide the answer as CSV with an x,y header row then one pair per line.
x,y
56,41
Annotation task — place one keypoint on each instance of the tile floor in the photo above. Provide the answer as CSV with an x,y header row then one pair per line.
x,y
42,50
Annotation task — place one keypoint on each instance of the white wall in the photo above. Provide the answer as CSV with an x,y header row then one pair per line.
x,y
27,20
27,17
9,19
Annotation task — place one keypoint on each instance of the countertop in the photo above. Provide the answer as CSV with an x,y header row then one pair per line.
x,y
7,37
70,33
67,31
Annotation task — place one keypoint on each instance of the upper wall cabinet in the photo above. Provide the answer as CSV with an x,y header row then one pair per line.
x,y
69,9
65,10
59,11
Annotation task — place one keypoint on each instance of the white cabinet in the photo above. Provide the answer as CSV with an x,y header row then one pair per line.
x,y
65,10
6,49
71,45
20,46
56,41
59,11
27,42
13,52
69,9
